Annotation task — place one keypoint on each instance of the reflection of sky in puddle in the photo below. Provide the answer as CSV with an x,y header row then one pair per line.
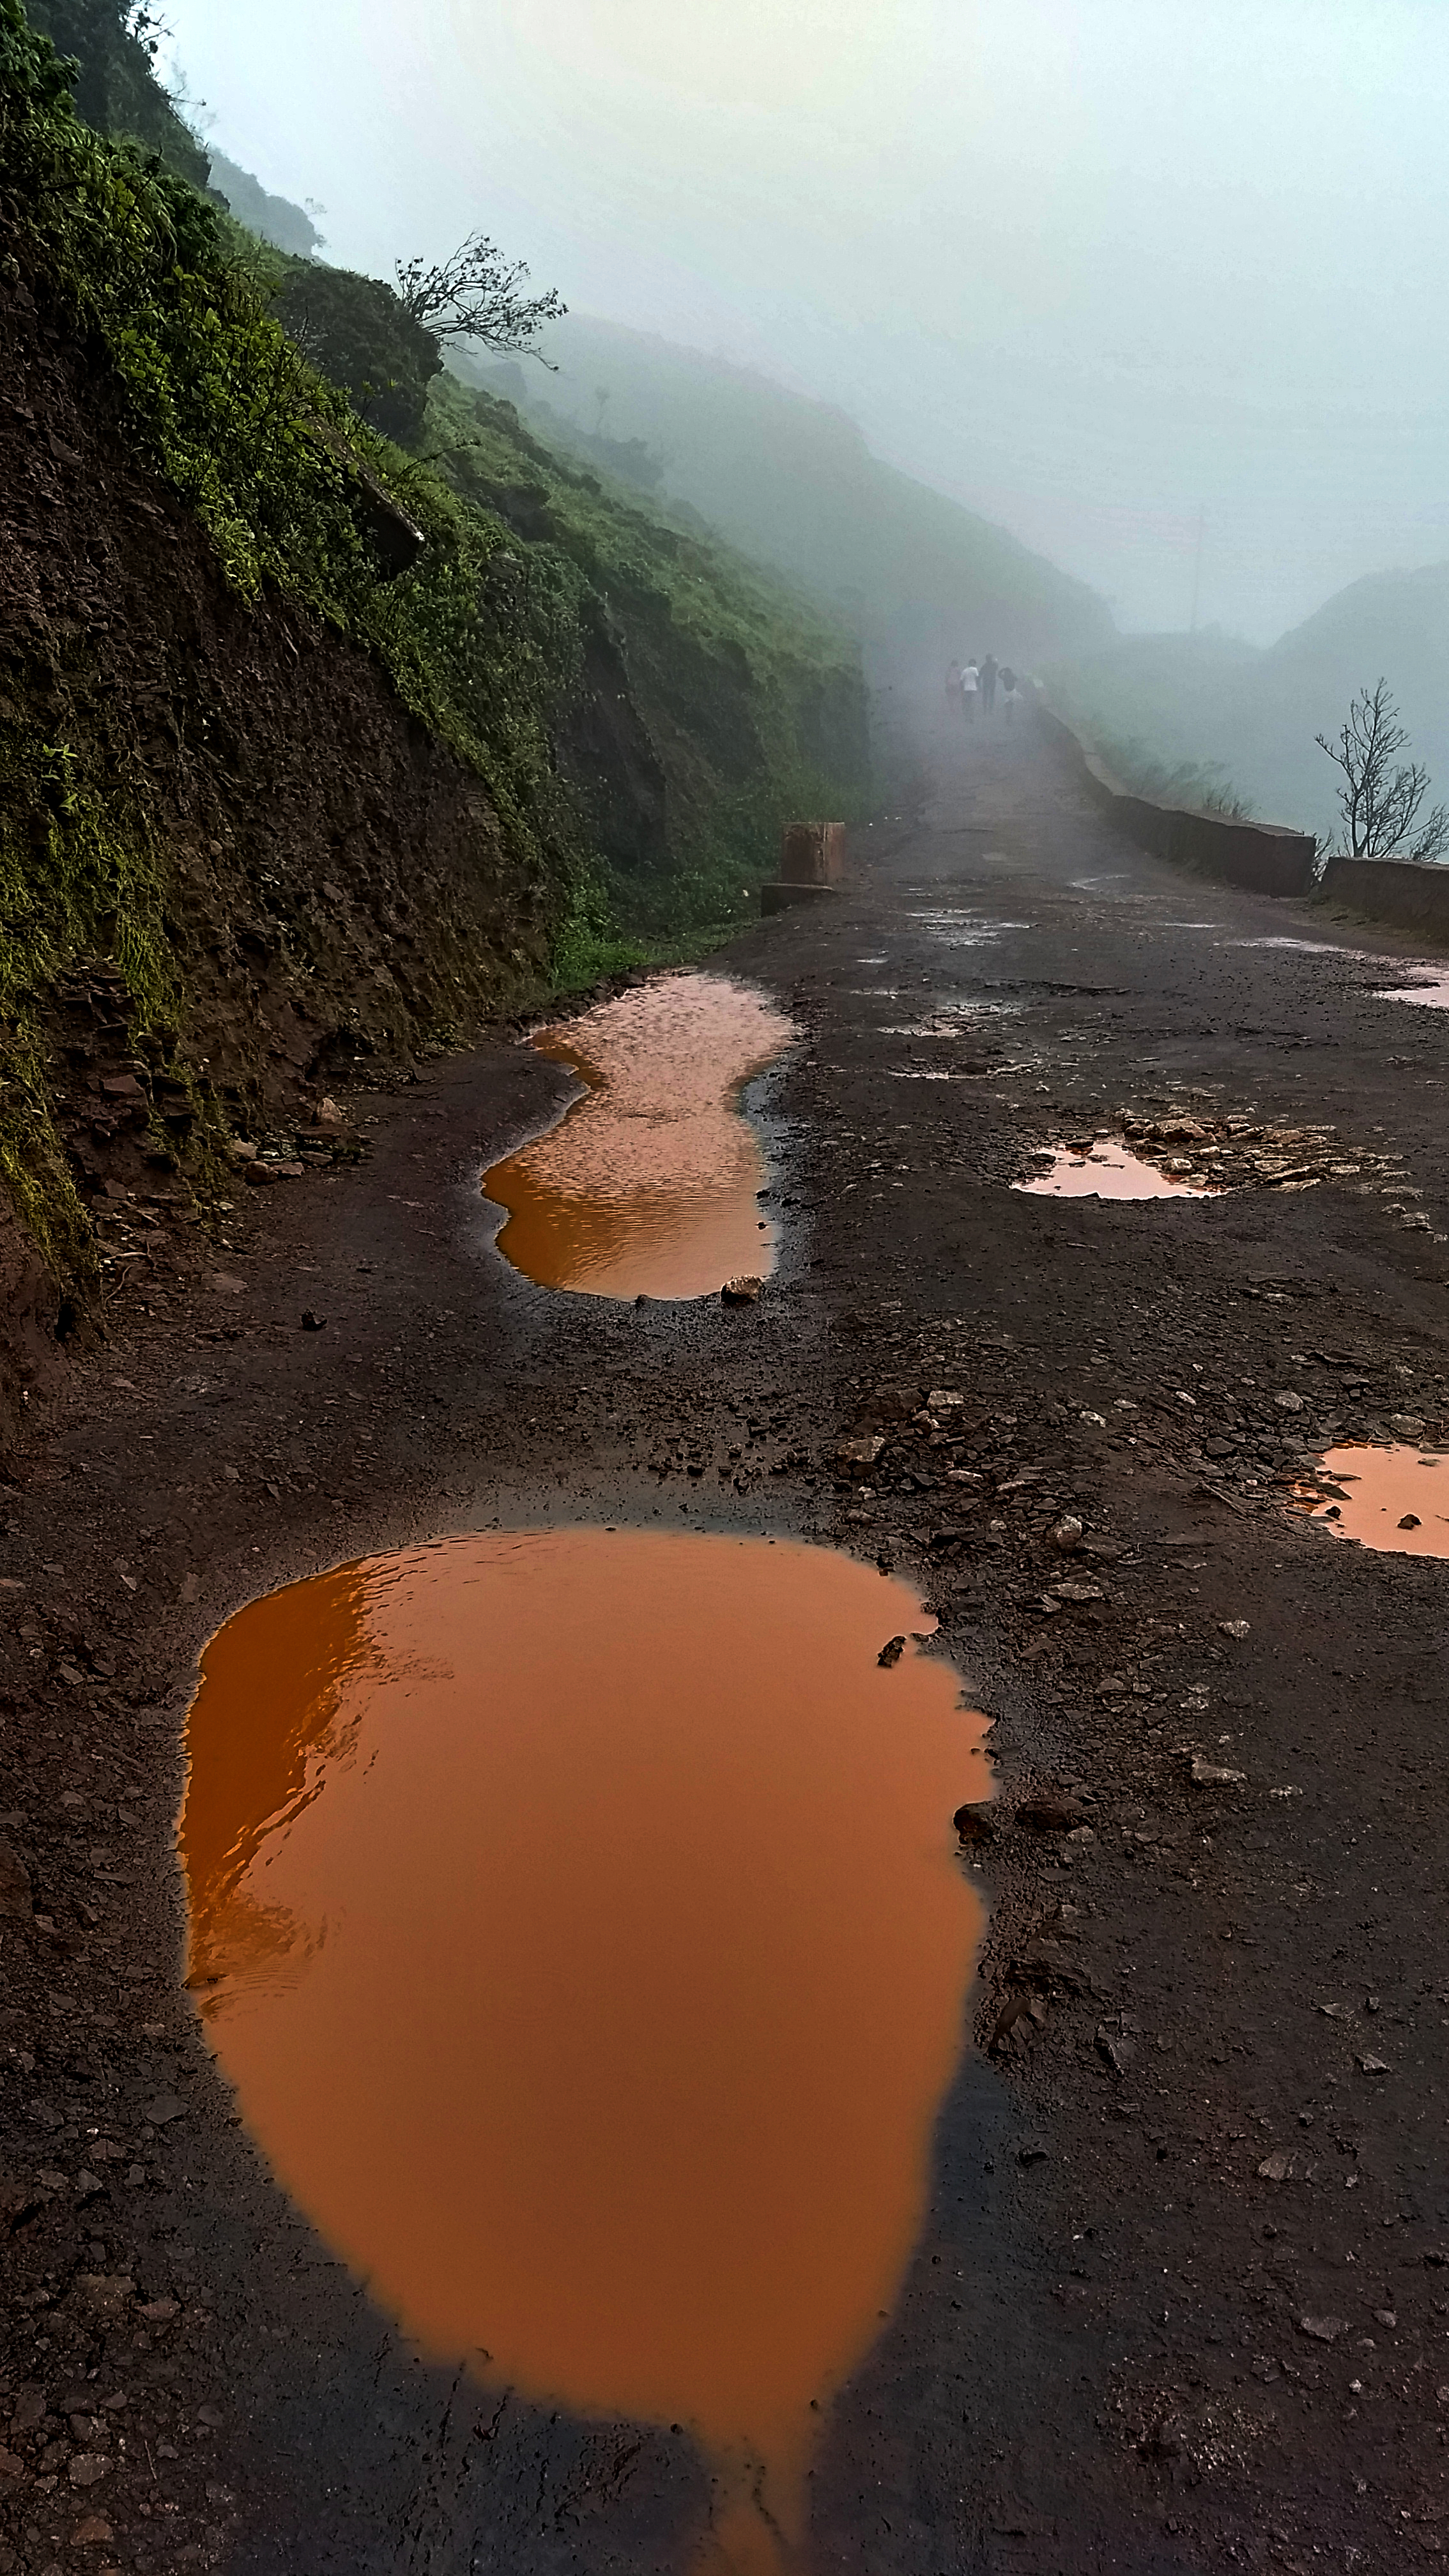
x,y
1432,990
1308,947
964,929
952,1020
1366,1493
1110,1171
648,1185
576,1916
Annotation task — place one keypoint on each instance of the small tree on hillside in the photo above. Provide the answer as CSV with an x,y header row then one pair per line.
x,y
1381,802
477,295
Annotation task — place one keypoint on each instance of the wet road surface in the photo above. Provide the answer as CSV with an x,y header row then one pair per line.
x,y
1176,2299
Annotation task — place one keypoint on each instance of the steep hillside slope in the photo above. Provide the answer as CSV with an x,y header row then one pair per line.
x,y
311,750
1251,717
793,483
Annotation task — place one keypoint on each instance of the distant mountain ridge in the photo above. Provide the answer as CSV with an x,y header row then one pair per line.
x,y
1252,715
792,481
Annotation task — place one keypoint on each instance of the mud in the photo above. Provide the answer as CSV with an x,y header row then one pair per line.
x,y
1174,2300
649,1185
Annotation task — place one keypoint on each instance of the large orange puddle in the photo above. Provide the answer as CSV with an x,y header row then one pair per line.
x,y
648,1186
1109,1171
1394,1497
576,1916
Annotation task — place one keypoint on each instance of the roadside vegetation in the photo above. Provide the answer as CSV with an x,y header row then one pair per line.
x,y
643,708
1381,800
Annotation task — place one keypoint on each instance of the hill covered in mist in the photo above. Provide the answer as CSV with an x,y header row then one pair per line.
x,y
1247,719
792,482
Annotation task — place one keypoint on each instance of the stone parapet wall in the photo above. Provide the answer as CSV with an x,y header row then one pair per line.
x,y
1267,858
1416,898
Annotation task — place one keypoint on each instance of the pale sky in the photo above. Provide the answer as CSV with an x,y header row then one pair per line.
x,y
1091,266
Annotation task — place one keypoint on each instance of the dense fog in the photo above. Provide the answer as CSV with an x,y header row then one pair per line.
x,y
1145,282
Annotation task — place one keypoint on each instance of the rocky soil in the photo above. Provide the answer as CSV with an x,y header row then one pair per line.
x,y
1181,2297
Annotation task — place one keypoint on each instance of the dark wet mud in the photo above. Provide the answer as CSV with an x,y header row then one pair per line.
x,y
575,1914
649,1185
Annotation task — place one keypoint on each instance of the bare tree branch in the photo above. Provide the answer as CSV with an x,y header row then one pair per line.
x,y
477,295
1381,804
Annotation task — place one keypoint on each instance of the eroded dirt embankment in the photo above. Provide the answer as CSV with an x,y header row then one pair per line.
x,y
1177,2300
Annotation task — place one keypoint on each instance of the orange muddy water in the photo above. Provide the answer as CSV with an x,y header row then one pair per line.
x,y
1110,1171
1371,1493
576,1916
648,1185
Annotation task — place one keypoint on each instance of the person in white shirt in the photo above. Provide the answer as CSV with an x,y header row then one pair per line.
x,y
970,689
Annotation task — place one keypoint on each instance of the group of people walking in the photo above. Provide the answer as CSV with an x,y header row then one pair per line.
x,y
975,683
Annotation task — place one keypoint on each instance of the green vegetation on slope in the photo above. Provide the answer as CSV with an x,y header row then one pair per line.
x,y
792,482
643,710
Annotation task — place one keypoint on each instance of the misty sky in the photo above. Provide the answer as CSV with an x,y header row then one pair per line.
x,y
1088,265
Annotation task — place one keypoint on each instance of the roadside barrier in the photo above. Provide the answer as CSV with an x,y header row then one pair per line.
x,y
1413,895
811,859
1267,858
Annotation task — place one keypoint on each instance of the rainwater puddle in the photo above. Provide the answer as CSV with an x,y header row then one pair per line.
x,y
1369,1493
964,929
1432,990
647,1186
1306,947
576,1915
1110,1171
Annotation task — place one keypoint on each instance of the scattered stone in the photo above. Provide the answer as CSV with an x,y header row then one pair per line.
x,y
1067,1534
312,1323
1323,2329
1117,2046
106,2292
1078,1592
226,1285
15,1892
1409,1426
1276,2168
1234,1628
94,2528
891,1652
87,2468
159,2312
862,1450
1288,1402
741,1292
1049,1813
165,2107
327,1114
974,1824
1374,2065
1411,1520
1031,2154
1213,1775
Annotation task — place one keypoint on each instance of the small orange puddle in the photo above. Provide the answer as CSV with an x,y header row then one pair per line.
x,y
648,1186
577,1918
1368,1493
1110,1171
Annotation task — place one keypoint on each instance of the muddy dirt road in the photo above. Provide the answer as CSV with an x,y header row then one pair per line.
x,y
1180,2295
